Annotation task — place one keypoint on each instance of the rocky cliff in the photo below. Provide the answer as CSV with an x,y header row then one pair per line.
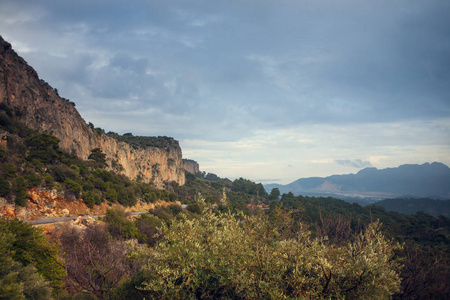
x,y
40,107
191,166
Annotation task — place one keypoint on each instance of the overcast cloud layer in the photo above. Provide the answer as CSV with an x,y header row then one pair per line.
x,y
267,90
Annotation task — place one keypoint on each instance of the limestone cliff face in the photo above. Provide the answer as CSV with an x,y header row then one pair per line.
x,y
191,166
39,107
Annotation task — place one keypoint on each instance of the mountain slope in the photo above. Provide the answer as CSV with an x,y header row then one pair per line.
x,y
427,180
37,104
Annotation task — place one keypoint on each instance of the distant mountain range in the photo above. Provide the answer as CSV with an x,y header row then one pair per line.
x,y
427,180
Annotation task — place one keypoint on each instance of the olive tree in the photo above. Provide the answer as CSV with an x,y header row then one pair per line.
x,y
225,255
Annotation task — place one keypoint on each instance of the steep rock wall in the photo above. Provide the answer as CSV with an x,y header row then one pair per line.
x,y
39,107
191,166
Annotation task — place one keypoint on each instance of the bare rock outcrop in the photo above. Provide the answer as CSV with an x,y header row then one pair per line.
x,y
191,166
37,104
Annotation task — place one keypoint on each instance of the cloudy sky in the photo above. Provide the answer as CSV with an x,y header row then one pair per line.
x,y
268,90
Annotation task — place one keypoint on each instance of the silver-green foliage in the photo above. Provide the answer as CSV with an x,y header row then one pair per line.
x,y
224,255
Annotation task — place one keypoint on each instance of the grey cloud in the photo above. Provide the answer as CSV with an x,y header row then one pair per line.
x,y
244,66
355,163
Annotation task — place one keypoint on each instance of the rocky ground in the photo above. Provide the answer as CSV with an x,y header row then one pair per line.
x,y
50,203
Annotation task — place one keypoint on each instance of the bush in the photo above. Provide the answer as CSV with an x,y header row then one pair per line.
x,y
245,257
95,262
9,170
195,208
148,227
173,197
62,172
21,198
19,183
150,197
34,179
119,225
28,246
73,186
98,156
43,146
92,198
111,194
4,187
175,209
49,181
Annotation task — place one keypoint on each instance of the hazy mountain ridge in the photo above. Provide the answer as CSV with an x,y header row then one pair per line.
x,y
426,180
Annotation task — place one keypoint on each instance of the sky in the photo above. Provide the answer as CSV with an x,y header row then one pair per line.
x,y
271,91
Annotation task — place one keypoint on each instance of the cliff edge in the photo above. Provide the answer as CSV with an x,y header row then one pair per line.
x,y
37,104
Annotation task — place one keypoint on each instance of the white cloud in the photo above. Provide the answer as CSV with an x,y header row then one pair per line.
x,y
317,150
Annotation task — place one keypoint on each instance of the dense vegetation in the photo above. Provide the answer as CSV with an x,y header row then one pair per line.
x,y
425,239
30,265
235,256
240,192
434,207
142,142
35,160
232,240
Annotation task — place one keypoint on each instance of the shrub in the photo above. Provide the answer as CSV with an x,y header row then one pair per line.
x,y
175,209
19,184
173,197
34,179
111,194
91,198
95,262
21,198
195,207
9,170
74,186
98,156
150,197
62,172
245,257
148,227
43,146
119,225
49,181
4,187
29,247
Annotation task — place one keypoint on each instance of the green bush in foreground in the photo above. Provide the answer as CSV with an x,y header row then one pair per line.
x,y
29,264
224,255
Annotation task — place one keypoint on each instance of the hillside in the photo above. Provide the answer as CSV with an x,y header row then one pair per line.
x,y
38,106
427,180
410,206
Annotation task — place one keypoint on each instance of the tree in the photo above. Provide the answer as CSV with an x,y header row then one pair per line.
x,y
43,146
98,156
119,225
274,194
225,255
4,187
94,261
29,264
